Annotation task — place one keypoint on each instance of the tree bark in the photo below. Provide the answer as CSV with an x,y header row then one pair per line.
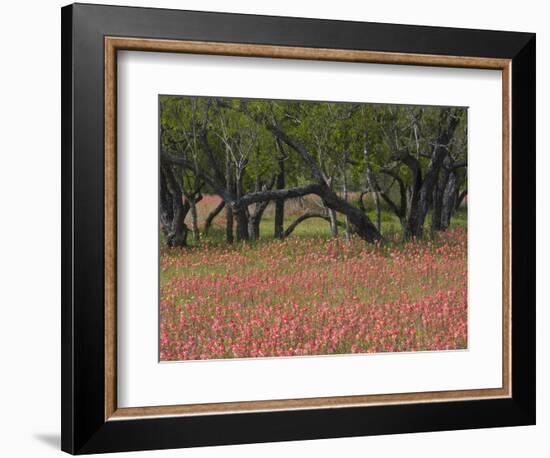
x,y
176,232
280,203
210,218
345,183
194,217
450,197
241,218
229,224
360,222
166,205
461,198
333,222
229,189
414,222
371,183
437,207
400,210
422,194
255,219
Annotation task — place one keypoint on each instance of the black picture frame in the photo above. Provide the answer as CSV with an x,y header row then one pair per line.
x,y
84,429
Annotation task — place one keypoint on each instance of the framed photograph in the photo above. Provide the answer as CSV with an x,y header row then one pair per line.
x,y
281,228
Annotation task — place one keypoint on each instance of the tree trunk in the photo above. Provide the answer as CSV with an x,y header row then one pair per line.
x,y
422,196
438,203
425,199
229,211
439,190
178,233
414,222
176,230
241,218
194,220
166,213
253,228
378,210
371,183
280,203
360,222
333,222
229,224
436,208
255,219
210,218
345,181
400,208
461,198
279,218
450,197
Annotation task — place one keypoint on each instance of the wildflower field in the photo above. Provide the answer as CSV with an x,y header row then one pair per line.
x,y
312,294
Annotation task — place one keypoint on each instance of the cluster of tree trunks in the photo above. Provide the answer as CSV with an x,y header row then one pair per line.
x,y
174,207
359,221
237,203
435,188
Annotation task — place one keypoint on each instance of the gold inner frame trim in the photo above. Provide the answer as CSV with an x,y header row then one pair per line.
x,y
114,44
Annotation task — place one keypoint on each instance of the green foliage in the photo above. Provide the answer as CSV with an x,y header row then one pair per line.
x,y
346,140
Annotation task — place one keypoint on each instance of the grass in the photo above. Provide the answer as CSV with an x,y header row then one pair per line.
x,y
313,227
312,294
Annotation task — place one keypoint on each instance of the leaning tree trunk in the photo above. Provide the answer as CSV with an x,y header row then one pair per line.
x,y
461,198
305,216
360,222
210,218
